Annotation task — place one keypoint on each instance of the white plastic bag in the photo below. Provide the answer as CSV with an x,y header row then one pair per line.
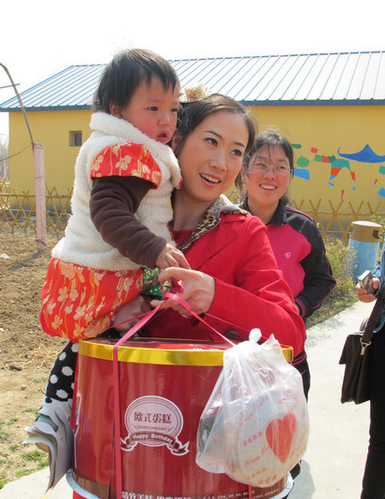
x,y
255,425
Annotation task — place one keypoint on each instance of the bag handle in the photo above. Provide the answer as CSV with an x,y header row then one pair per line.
x,y
167,293
371,324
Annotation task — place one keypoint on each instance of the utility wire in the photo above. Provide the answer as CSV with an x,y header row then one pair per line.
x,y
16,153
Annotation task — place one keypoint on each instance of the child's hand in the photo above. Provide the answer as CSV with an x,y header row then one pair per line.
x,y
171,257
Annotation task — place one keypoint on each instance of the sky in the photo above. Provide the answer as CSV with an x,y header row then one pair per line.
x,y
39,38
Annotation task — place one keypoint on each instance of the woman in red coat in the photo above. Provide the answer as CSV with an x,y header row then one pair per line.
x,y
235,281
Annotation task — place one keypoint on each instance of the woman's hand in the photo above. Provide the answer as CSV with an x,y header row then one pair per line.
x,y
363,295
137,306
198,290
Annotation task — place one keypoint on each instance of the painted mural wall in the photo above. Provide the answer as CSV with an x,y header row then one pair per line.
x,y
339,152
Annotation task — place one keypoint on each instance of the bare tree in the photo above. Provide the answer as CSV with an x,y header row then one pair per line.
x,y
4,161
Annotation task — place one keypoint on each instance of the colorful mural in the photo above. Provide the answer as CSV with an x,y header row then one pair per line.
x,y
336,165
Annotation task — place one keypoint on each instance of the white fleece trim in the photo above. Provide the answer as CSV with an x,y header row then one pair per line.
x,y
83,244
110,125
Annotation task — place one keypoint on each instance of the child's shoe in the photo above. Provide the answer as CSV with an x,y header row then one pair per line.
x,y
52,433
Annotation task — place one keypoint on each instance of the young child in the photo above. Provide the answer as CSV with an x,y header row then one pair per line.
x,y
124,175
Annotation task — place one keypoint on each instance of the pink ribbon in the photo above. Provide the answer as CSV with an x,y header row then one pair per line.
x,y
168,293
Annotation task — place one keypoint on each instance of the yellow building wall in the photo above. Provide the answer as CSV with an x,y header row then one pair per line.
x,y
317,133
52,130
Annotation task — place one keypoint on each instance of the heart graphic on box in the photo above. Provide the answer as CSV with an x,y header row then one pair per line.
x,y
279,435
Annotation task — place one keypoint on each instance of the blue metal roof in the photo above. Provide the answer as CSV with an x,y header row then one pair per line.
x,y
349,78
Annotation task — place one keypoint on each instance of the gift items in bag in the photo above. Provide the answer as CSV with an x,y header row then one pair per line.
x,y
255,425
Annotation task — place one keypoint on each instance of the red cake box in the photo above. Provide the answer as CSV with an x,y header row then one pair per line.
x,y
163,388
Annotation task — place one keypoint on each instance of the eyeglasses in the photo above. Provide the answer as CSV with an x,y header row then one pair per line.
x,y
262,167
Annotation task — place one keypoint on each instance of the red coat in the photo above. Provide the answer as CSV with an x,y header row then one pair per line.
x,y
250,290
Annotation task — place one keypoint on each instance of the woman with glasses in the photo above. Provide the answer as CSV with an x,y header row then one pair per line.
x,y
294,237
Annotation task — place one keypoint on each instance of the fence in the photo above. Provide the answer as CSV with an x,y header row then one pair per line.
x,y
17,211
338,219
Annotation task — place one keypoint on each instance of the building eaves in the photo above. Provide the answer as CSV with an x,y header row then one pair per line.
x,y
326,79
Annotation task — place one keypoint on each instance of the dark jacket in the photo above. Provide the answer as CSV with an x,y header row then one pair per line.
x,y
300,252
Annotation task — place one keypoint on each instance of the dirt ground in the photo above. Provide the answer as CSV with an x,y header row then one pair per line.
x,y
26,353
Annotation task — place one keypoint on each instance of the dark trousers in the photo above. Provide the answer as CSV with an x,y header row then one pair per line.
x,y
300,363
374,476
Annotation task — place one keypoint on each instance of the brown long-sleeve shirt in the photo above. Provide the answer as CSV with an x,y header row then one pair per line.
x,y
114,201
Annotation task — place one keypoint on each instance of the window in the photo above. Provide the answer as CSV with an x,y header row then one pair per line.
x,y
76,139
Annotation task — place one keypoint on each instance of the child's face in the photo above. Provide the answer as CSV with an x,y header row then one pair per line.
x,y
152,109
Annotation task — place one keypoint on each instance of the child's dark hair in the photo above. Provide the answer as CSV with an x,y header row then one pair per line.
x,y
127,70
194,113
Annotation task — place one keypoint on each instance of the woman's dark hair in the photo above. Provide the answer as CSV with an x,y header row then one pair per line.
x,y
266,140
127,70
194,113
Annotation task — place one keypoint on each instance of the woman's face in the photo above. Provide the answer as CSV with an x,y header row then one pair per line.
x,y
266,187
212,154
